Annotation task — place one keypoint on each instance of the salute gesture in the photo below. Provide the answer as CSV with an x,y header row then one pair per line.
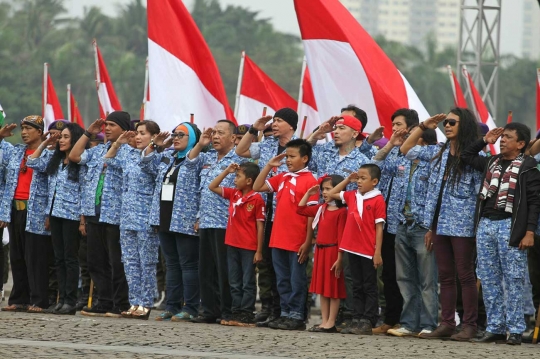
x,y
96,126
276,161
51,139
493,135
398,137
313,190
206,137
6,131
433,121
125,137
160,138
232,168
376,135
260,124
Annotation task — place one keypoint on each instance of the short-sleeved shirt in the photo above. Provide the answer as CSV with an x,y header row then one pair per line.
x,y
359,235
244,212
290,229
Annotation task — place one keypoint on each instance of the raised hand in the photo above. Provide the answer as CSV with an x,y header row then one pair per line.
x,y
260,124
276,161
206,137
398,137
353,177
96,126
6,131
376,135
313,190
160,138
328,126
51,139
125,137
433,121
232,168
493,135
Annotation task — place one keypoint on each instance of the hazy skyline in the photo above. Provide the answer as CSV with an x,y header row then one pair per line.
x,y
282,15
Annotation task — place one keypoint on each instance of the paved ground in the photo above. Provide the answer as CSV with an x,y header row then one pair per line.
x,y
48,336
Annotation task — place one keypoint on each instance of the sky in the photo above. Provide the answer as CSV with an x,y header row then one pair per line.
x,y
281,14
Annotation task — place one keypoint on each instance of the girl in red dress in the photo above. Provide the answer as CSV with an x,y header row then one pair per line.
x,y
326,279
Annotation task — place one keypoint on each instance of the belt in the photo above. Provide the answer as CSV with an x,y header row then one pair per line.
x,y
497,216
20,204
326,245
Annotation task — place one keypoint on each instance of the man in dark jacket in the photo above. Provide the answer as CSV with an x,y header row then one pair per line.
x,y
506,218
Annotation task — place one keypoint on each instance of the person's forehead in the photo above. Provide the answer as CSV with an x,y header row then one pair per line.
x,y
399,118
221,126
292,150
452,116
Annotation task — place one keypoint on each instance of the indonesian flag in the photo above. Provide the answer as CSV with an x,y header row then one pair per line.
x,y
2,116
459,98
73,109
144,114
184,77
348,67
537,99
108,101
481,109
257,91
307,106
52,110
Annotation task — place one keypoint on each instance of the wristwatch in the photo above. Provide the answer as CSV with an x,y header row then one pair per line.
x,y
253,131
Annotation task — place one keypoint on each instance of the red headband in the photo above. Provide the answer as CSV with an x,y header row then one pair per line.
x,y
351,122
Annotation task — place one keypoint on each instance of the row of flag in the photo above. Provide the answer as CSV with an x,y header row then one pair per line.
x,y
342,65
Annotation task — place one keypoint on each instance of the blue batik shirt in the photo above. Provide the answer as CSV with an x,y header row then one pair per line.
x,y
214,209
6,153
458,204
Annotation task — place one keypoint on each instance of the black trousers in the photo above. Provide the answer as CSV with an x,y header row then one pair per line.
x,y
65,238
83,265
105,264
20,293
215,292
533,257
365,299
392,294
267,276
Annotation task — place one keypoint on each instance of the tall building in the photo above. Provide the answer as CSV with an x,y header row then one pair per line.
x,y
409,21
531,30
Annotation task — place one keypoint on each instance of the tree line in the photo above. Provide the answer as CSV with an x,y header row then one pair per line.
x,y
36,31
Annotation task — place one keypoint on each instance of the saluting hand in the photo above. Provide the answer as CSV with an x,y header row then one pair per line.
x,y
260,124
276,161
328,126
160,138
493,135
6,131
398,137
353,177
125,137
206,137
433,121
51,139
232,168
376,135
96,126
313,190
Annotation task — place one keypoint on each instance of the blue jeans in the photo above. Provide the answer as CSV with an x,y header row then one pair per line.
x,y
181,253
242,279
416,270
291,283
501,270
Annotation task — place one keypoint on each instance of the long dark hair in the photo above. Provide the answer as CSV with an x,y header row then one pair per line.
x,y
467,134
59,156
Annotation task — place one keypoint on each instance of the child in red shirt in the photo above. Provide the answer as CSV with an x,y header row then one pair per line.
x,y
291,234
244,239
362,240
326,279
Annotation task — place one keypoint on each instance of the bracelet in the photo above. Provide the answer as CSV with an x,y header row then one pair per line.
x,y
153,145
253,131
87,134
422,126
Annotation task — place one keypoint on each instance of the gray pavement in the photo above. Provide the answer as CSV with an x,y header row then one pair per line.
x,y
50,336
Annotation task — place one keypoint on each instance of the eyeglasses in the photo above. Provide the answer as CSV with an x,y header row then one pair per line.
x,y
449,122
179,135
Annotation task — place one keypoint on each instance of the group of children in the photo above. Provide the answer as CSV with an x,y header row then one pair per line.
x,y
348,223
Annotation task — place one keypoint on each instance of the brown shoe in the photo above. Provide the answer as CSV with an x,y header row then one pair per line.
x,y
383,329
466,334
442,332
15,308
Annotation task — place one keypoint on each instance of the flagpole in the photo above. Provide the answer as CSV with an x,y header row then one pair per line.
x,y
301,90
98,76
69,102
239,84
145,90
45,75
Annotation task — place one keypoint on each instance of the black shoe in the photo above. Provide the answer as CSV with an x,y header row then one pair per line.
x,y
274,324
292,324
81,303
262,315
97,310
115,312
54,308
352,326
363,328
328,330
66,310
264,324
203,320
346,322
490,338
514,339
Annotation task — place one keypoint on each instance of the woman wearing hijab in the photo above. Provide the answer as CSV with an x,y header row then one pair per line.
x,y
175,210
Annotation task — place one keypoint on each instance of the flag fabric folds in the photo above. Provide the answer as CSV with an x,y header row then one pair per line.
x,y
258,90
52,110
108,101
144,114
459,98
184,77
348,67
307,106
74,115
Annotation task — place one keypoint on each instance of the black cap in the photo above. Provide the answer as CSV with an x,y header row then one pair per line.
x,y
121,118
288,115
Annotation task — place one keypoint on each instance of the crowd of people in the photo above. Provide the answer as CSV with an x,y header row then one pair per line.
x,y
230,208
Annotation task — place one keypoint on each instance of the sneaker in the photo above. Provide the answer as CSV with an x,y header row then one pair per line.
x,y
276,322
97,310
292,324
352,326
401,332
425,331
246,320
364,328
164,316
182,317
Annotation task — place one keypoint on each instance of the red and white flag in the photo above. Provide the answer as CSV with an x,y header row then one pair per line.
x,y
184,77
257,90
537,99
480,108
74,114
348,67
307,105
108,101
52,110
459,98
145,114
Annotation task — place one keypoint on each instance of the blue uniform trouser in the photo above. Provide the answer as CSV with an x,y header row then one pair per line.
x,y
140,256
501,270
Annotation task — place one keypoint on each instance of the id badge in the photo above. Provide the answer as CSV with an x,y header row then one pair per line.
x,y
167,191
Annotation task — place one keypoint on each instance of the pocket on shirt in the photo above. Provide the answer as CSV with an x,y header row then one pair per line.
x,y
461,189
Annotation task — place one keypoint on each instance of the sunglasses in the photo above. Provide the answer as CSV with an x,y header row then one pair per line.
x,y
179,135
450,122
